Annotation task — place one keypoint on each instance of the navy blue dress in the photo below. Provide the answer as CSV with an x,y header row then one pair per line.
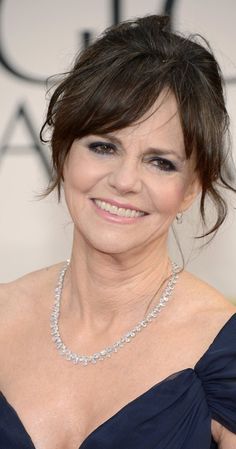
x,y
174,414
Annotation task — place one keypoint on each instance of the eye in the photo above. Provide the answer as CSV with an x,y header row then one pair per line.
x,y
163,164
102,148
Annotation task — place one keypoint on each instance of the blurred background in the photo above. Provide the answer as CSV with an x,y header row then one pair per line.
x,y
40,39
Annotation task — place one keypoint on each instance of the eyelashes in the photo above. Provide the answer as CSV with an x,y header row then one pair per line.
x,y
102,148
109,149
163,164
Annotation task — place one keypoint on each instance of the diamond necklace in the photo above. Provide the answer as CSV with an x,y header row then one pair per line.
x,y
126,338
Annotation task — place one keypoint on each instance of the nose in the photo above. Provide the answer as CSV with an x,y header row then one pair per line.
x,y
125,177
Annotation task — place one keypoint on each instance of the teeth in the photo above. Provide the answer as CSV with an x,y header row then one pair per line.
x,y
118,210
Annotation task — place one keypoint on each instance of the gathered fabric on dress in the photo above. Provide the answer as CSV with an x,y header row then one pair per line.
x,y
175,413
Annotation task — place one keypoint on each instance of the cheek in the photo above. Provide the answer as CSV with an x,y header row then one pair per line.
x,y
80,176
168,195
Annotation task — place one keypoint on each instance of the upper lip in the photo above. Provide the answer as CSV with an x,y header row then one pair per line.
x,y
122,205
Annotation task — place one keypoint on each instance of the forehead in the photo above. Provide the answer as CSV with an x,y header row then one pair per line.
x,y
160,126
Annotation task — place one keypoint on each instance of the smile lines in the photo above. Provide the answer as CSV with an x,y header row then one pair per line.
x,y
122,212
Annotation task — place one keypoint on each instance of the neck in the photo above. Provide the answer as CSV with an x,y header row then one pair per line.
x,y
103,287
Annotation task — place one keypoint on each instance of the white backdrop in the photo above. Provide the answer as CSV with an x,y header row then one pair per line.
x,y
39,39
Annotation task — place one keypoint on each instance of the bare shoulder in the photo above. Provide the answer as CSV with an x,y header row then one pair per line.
x,y
33,282
20,298
206,306
210,313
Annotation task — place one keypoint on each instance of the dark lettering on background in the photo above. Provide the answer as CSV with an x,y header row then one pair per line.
x,y
21,111
115,19
86,39
168,9
116,13
21,114
8,65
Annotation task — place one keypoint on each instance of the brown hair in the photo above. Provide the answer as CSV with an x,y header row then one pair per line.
x,y
120,76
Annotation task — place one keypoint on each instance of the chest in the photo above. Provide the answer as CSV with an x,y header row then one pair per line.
x,y
150,417
61,404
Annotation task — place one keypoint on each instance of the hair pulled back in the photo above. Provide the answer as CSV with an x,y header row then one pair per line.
x,y
117,79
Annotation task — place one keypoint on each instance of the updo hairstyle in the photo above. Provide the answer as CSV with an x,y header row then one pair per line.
x,y
119,77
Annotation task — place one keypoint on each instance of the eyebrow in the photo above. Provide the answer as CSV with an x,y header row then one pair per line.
x,y
157,151
165,152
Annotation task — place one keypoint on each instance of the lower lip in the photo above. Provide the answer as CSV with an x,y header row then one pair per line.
x,y
116,218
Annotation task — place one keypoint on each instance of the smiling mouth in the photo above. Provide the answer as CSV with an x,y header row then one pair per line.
x,y
120,211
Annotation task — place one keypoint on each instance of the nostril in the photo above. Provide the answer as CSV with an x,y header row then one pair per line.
x,y
125,179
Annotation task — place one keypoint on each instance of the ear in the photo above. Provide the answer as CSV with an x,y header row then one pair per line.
x,y
192,191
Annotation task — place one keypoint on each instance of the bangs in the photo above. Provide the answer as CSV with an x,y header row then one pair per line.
x,y
120,97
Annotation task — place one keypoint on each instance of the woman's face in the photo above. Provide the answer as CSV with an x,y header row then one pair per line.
x,y
123,190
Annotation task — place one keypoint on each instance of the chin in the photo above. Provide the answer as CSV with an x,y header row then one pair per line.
x,y
111,247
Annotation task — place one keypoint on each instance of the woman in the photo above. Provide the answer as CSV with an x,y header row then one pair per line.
x,y
138,131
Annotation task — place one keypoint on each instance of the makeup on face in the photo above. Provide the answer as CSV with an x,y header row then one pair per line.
x,y
109,146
